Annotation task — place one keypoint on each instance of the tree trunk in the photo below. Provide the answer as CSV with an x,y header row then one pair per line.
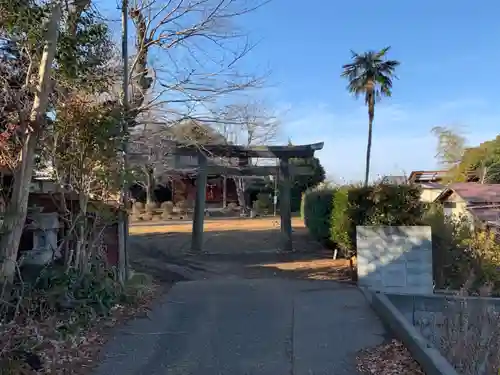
x,y
150,186
484,174
18,205
371,115
240,192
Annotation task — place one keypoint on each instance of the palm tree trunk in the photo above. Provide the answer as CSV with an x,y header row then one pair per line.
x,y
371,115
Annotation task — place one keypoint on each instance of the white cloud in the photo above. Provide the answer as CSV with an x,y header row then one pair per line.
x,y
402,140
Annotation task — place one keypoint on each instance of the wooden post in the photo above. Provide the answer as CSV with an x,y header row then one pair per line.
x,y
172,190
285,208
199,204
224,191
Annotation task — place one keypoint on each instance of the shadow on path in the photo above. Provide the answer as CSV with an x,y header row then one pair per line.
x,y
247,327
234,253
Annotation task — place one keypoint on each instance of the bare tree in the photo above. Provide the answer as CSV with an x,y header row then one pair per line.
x,y
451,145
186,61
149,148
152,144
248,124
45,38
187,53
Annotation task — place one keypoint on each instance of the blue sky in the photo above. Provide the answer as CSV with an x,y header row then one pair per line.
x,y
446,49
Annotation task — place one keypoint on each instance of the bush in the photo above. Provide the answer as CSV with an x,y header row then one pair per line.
x,y
168,210
150,207
460,250
451,259
468,333
263,204
317,210
148,216
139,206
44,319
181,207
341,228
233,206
372,205
167,207
137,209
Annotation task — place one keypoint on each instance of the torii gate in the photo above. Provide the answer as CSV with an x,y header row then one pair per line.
x,y
244,154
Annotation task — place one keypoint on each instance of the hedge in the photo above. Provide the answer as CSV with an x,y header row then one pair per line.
x,y
373,205
316,210
333,213
340,220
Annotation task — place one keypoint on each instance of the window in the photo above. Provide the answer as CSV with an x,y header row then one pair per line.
x,y
449,204
187,160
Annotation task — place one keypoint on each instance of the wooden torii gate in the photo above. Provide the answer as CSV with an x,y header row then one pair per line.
x,y
244,154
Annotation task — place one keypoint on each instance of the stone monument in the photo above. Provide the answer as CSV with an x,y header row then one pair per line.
x,y
395,259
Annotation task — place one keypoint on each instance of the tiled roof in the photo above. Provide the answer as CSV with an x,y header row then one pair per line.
x,y
431,185
477,193
485,213
427,176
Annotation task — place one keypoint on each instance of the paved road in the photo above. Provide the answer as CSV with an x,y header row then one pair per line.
x,y
247,327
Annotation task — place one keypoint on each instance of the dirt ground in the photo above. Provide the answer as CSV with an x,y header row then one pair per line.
x,y
233,248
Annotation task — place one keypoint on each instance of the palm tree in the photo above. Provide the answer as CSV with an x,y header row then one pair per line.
x,y
370,74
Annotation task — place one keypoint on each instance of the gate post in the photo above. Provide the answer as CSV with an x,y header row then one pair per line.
x,y
285,208
199,204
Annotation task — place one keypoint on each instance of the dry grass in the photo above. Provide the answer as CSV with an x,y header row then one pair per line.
x,y
73,353
468,335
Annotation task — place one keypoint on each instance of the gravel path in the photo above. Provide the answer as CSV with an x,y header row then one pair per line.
x,y
247,327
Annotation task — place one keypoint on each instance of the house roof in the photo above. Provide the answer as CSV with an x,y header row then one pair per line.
x,y
473,192
426,176
431,185
488,214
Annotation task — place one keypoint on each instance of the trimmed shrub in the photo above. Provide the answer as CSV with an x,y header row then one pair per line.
x,y
166,216
396,205
137,209
167,207
233,206
341,230
373,205
181,207
317,210
148,216
263,204
150,207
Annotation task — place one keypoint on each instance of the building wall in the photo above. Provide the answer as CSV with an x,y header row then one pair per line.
x,y
430,195
456,206
185,189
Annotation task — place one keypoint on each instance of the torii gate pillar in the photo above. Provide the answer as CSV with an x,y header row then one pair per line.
x,y
285,205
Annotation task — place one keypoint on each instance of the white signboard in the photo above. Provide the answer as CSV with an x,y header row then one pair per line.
x,y
395,259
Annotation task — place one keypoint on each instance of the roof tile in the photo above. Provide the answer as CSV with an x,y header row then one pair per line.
x,y
477,193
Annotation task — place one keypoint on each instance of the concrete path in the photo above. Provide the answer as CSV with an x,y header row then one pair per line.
x,y
247,327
